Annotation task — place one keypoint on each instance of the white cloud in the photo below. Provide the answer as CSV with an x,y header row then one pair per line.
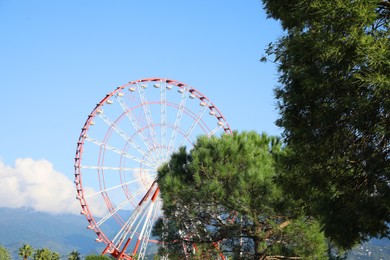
x,y
35,184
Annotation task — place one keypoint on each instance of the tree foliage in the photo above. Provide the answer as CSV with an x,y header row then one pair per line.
x,y
45,254
26,251
220,197
4,253
74,255
334,102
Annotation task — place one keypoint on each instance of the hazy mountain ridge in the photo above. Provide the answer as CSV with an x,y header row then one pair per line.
x,y
64,233
60,233
373,249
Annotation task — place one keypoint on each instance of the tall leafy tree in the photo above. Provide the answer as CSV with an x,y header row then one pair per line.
x,y
55,256
45,254
74,255
26,251
4,253
220,197
334,103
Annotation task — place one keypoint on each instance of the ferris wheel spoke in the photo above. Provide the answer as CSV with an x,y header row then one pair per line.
x,y
114,187
111,213
146,221
120,152
215,130
163,119
118,130
194,123
179,115
148,230
134,122
115,210
137,214
133,226
136,218
148,116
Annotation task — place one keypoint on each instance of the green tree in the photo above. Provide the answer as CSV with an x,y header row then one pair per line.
x,y
220,197
334,102
26,251
45,254
55,256
74,255
4,253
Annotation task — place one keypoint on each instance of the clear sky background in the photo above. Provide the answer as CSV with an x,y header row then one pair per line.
x,y
59,58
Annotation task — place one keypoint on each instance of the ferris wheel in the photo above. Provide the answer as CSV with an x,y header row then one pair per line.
x,y
129,134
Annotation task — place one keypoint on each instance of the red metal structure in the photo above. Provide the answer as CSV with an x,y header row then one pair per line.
x,y
131,132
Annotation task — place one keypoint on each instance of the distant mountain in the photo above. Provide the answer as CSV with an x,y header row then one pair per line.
x,y
378,249
59,233
65,233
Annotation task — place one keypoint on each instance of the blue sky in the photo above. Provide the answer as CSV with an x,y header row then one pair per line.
x,y
59,58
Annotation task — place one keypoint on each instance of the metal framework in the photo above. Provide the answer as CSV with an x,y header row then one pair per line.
x,y
129,134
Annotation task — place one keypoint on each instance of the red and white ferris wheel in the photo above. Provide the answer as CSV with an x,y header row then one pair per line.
x,y
130,133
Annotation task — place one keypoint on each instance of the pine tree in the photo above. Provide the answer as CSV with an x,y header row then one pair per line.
x,y
221,198
334,103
